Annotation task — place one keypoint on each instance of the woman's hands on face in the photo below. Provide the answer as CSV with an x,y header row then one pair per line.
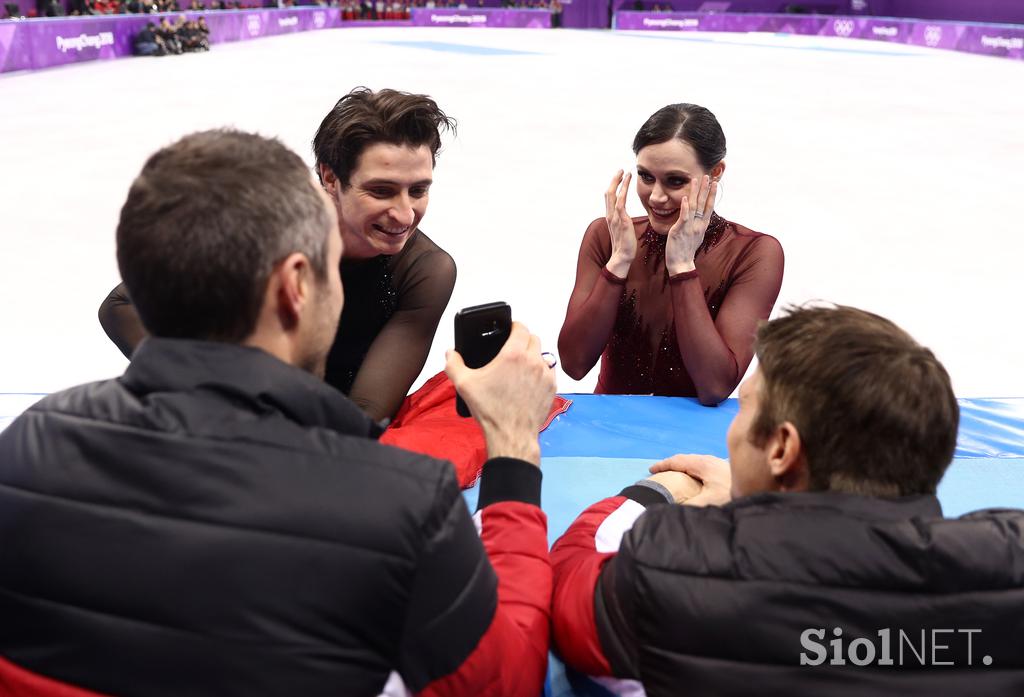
x,y
620,225
687,234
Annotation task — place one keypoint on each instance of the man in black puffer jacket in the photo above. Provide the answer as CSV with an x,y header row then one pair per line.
x,y
218,521
816,561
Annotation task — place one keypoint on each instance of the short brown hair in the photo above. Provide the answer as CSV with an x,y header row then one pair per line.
x,y
875,410
363,118
204,224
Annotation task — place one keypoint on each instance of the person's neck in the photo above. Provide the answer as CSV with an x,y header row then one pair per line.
x,y
275,341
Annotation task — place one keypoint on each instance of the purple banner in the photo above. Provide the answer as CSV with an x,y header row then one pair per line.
x,y
586,14
43,43
375,23
253,24
481,17
761,6
987,11
990,39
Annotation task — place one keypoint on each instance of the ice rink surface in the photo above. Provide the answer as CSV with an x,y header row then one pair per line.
x,y
893,177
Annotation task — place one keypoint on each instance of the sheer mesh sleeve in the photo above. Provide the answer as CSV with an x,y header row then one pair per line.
x,y
592,306
120,321
424,282
717,351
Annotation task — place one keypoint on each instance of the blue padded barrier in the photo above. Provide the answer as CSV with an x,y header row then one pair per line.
x,y
606,442
656,427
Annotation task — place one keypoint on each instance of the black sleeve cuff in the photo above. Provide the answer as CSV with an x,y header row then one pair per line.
x,y
644,495
509,479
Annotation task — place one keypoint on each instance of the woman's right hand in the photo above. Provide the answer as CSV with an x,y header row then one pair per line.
x,y
620,226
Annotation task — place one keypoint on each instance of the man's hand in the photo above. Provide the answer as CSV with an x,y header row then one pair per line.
x,y
510,397
683,487
712,472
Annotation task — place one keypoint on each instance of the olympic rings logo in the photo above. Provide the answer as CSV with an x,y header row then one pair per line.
x,y
842,27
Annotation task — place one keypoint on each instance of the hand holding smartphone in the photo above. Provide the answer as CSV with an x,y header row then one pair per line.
x,y
480,332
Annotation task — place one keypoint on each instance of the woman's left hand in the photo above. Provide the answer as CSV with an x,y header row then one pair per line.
x,y
687,234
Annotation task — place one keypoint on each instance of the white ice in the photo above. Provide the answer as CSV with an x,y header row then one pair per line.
x,y
892,176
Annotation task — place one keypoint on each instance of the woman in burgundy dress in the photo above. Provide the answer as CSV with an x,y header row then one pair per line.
x,y
669,302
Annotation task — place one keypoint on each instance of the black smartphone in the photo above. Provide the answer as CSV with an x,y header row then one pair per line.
x,y
480,332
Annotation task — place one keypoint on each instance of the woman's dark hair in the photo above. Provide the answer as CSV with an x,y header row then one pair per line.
x,y
689,123
363,118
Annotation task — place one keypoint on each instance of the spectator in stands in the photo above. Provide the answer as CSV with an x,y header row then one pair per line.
x,y
219,521
166,32
192,38
204,32
148,43
821,530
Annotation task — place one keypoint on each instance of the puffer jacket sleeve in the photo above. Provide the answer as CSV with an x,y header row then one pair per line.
x,y
479,616
591,620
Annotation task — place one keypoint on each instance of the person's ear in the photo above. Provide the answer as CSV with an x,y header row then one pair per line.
x,y
330,181
787,460
717,171
292,280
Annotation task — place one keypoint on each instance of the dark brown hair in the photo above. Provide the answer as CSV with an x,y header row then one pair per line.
x,y
363,118
875,410
691,124
204,224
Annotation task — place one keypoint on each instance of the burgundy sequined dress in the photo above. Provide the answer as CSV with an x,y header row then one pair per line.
x,y
690,335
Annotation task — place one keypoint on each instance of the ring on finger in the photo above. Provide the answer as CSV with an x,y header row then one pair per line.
x,y
698,215
549,359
